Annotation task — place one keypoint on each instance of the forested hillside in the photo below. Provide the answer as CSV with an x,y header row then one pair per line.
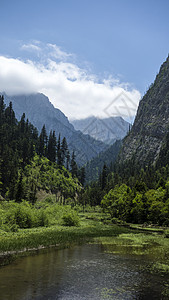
x,y
39,110
32,162
93,168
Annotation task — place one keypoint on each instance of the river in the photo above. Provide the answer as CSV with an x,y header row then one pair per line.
x,y
81,272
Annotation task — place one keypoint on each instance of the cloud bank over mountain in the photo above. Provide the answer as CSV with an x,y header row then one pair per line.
x,y
73,89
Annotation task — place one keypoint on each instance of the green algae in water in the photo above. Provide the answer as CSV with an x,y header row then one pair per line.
x,y
160,267
152,245
107,293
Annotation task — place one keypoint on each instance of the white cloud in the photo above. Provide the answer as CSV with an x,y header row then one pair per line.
x,y
57,53
70,88
30,47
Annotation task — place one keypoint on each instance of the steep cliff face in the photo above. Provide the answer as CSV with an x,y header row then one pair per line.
x,y
151,123
39,110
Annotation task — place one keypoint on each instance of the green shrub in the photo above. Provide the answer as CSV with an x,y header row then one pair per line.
x,y
22,215
70,219
50,199
42,218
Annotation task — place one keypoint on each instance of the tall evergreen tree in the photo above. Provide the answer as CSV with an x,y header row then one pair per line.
x,y
67,159
51,153
19,194
42,142
59,153
81,175
64,149
73,166
10,115
22,124
2,107
104,177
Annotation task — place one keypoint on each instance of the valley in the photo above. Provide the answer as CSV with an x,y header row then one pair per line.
x,y
116,198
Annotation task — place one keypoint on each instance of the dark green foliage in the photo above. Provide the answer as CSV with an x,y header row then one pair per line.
x,y
18,140
94,167
73,166
132,206
51,149
20,192
81,175
19,146
70,219
64,150
59,153
42,142
103,177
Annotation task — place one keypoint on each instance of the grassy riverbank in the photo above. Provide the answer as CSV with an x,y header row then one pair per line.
x,y
26,239
92,227
60,236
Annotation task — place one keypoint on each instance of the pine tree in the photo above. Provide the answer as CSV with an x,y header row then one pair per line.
x,y
51,153
81,175
73,166
25,150
19,193
10,115
59,153
22,124
42,142
2,106
64,149
104,177
67,159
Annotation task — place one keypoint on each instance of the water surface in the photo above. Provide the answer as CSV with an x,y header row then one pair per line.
x,y
82,272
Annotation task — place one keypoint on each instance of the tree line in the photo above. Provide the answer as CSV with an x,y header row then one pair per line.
x,y
20,143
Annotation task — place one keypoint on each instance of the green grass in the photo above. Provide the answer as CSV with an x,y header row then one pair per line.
x,y
25,240
32,238
92,228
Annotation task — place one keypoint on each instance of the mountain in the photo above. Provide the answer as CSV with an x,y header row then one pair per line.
x,y
106,130
144,142
39,110
94,167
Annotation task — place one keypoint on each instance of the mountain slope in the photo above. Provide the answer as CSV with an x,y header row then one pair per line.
x,y
151,123
106,130
94,167
40,111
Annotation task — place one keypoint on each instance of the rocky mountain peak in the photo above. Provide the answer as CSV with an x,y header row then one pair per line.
x,y
107,130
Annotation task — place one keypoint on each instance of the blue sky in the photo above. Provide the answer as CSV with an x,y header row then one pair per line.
x,y
114,44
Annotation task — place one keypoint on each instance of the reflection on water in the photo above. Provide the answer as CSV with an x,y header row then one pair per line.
x,y
83,272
